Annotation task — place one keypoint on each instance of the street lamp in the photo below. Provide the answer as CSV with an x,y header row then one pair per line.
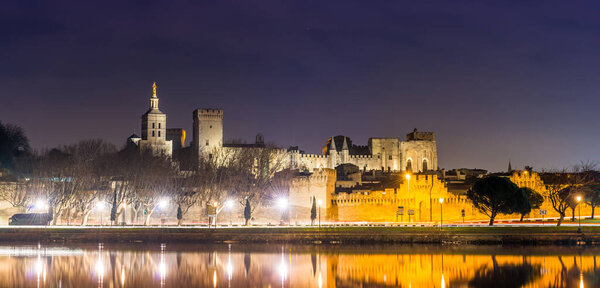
x,y
441,213
283,205
578,204
100,206
163,203
319,204
40,205
229,204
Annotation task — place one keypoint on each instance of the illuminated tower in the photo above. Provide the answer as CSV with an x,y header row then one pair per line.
x,y
154,128
208,131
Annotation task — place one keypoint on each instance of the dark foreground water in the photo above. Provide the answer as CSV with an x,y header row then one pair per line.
x,y
238,265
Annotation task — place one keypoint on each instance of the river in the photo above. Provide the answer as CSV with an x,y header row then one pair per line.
x,y
241,265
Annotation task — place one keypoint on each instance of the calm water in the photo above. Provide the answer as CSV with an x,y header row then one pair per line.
x,y
238,265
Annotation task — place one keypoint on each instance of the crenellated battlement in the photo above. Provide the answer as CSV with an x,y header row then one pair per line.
x,y
313,156
361,156
208,114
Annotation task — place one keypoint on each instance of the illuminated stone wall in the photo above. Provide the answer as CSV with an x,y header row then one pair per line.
x,y
422,194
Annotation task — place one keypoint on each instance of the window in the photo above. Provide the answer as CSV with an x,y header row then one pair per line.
x,y
424,164
408,165
206,142
153,127
152,133
210,126
159,128
390,157
159,131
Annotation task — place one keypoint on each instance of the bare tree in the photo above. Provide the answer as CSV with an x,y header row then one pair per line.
x,y
89,156
149,179
562,188
67,179
253,173
16,193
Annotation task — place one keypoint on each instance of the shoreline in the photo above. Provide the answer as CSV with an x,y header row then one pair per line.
x,y
307,235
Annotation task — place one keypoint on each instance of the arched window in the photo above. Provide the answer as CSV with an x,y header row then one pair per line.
x,y
424,165
409,165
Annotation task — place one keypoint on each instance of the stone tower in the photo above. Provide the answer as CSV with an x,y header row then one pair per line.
x,y
419,152
208,131
333,154
154,128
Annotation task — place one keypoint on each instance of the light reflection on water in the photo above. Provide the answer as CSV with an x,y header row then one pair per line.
x,y
238,265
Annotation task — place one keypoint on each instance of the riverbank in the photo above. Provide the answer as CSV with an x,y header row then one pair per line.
x,y
303,235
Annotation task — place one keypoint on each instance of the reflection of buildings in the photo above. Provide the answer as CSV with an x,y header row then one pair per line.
x,y
354,266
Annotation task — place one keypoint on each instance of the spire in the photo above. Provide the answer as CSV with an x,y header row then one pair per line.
x,y
509,167
345,145
332,146
154,99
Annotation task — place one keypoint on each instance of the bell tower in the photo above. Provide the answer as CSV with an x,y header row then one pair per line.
x,y
154,127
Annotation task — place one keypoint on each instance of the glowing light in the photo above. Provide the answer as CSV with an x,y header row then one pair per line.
x,y
39,266
319,202
229,204
122,276
578,198
41,205
320,280
443,285
441,200
581,280
215,278
282,203
163,203
407,176
162,266
100,205
283,269
229,269
100,269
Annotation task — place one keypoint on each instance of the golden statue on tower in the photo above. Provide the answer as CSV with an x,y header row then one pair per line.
x,y
154,89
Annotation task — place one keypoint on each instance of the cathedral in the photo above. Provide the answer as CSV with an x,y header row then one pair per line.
x,y
416,153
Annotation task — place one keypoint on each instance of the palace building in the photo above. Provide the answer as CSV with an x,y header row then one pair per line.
x,y
417,153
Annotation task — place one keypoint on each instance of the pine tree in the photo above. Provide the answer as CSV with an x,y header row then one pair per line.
x,y
313,211
113,209
247,211
179,215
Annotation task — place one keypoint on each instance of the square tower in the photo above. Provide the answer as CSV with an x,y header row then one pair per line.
x,y
208,131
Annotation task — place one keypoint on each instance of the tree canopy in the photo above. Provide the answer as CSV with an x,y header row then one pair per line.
x,y
13,143
495,195
535,201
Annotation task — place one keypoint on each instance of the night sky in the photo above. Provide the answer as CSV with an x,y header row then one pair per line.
x,y
495,81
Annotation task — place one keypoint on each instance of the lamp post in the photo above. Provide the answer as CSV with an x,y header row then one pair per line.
x,y
283,205
408,179
216,205
319,205
229,204
441,213
162,204
578,204
100,207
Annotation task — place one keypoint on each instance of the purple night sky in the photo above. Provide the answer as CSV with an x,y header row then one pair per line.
x,y
495,81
